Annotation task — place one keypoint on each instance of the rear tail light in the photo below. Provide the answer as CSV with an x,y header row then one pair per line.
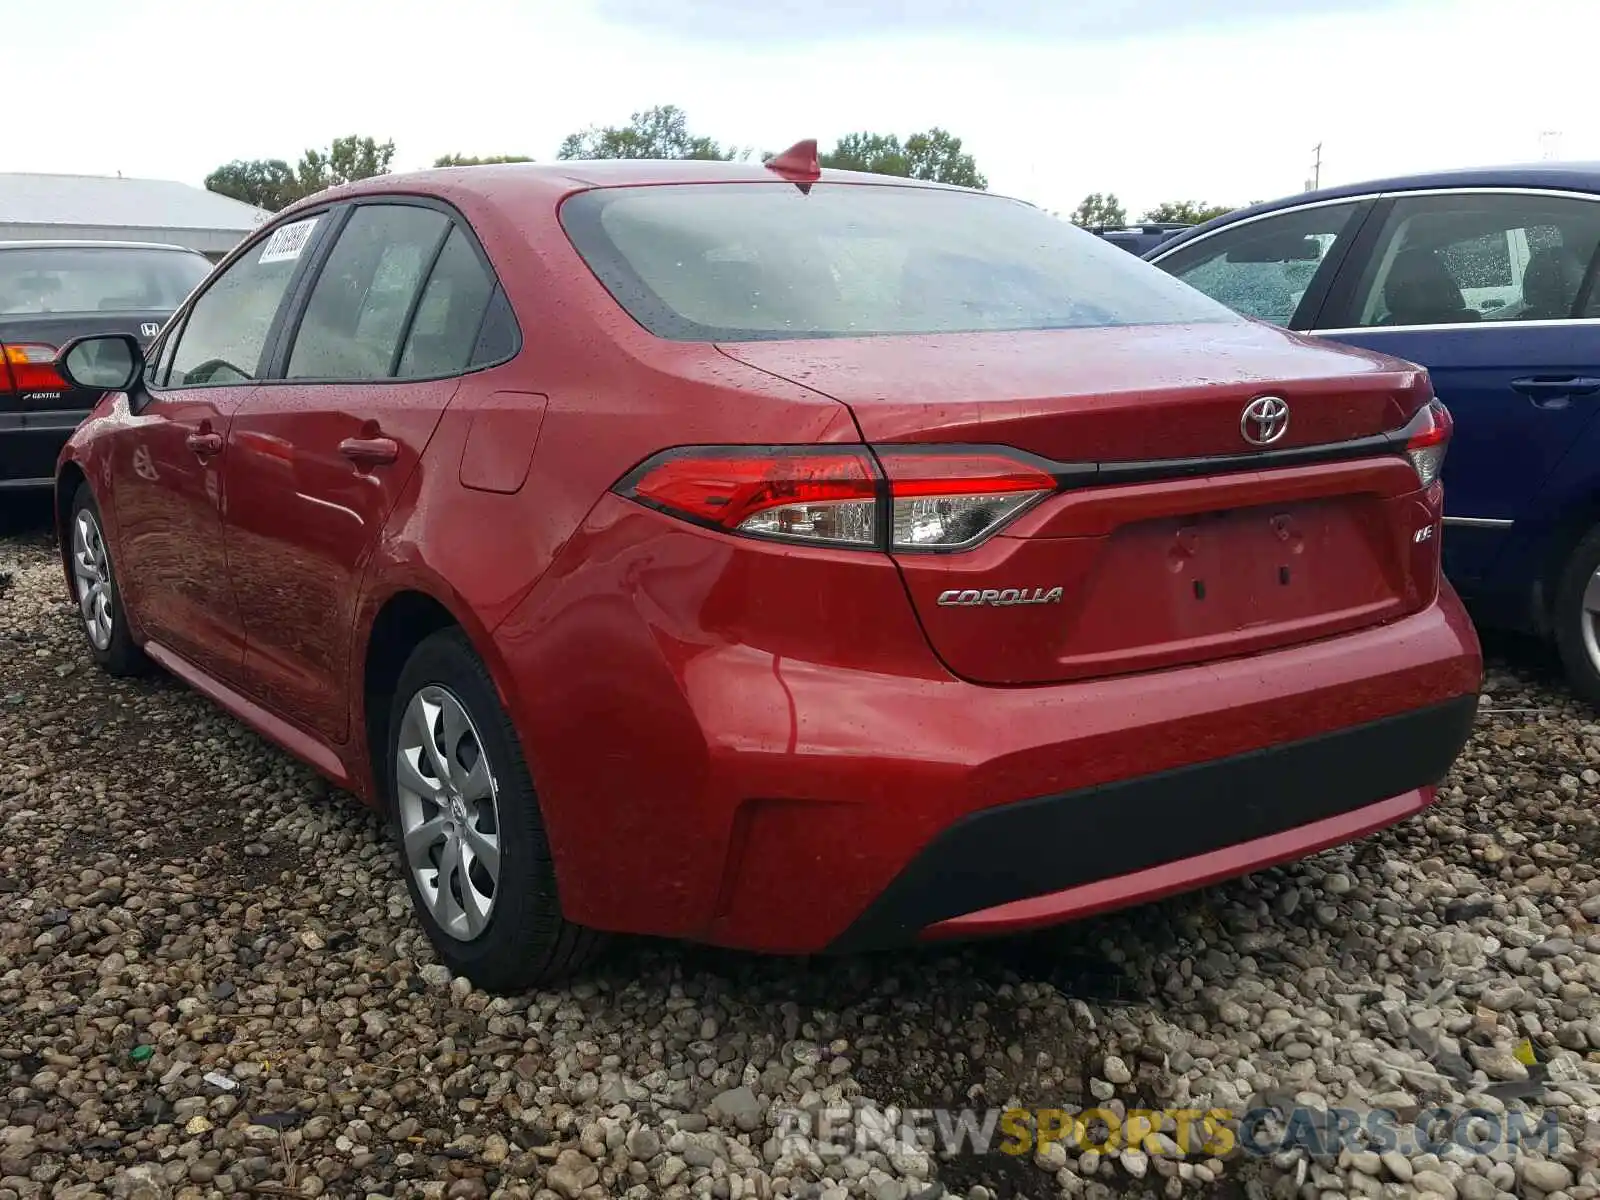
x,y
1428,440
946,500
31,367
918,499
818,496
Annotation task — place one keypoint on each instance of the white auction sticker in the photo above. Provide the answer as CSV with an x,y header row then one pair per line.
x,y
285,244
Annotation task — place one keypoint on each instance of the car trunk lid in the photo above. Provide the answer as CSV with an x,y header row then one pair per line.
x,y
1173,539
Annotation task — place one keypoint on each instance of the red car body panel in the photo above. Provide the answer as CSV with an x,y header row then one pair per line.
x,y
756,743
1150,392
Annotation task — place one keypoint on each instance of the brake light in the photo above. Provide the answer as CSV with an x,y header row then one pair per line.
x,y
803,495
1428,440
924,498
32,367
943,500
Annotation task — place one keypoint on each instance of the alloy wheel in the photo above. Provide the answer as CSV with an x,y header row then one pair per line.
x,y
91,572
1591,620
449,813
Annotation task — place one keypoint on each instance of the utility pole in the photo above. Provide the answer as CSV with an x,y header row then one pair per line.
x,y
1316,169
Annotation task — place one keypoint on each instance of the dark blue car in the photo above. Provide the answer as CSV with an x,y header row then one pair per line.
x,y
1487,278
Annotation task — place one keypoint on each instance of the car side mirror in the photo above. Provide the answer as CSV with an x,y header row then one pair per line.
x,y
102,362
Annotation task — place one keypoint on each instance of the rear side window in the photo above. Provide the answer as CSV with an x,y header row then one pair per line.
x,y
743,262
36,280
358,308
446,325
1263,268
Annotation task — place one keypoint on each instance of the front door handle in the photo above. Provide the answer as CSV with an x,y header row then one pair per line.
x,y
370,452
205,444
1553,391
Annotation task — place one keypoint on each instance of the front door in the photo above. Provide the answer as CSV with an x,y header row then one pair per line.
x,y
1483,289
170,465
318,459
167,484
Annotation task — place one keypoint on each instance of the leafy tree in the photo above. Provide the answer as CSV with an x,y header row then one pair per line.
x,y
659,132
1190,212
935,155
879,153
1100,211
267,182
347,159
272,184
472,160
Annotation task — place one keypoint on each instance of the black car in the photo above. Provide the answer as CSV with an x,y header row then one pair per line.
x,y
51,292
1141,239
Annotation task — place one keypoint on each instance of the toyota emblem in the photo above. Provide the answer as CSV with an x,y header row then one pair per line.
x,y
1265,420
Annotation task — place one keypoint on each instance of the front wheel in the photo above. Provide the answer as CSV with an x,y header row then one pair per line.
x,y
94,587
1576,616
472,843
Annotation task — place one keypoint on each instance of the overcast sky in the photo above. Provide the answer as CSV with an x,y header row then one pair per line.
x,y
1218,100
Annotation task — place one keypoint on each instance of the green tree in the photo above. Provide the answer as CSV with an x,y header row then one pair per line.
x,y
473,160
347,159
1099,211
267,183
935,155
659,132
272,184
1190,212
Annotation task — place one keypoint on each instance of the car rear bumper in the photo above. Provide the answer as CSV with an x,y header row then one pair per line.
x,y
30,443
740,744
1053,857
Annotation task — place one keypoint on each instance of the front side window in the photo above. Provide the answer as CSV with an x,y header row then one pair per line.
x,y
754,261
357,311
1469,258
1263,268
227,326
37,280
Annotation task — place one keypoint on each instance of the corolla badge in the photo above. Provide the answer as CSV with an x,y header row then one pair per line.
x,y
1264,420
1000,597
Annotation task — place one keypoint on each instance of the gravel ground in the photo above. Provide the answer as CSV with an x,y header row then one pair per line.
x,y
211,985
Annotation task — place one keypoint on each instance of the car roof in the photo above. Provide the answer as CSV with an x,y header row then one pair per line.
x,y
89,244
1548,176
548,180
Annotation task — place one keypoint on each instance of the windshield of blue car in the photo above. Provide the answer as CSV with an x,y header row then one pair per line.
x,y
745,262
35,280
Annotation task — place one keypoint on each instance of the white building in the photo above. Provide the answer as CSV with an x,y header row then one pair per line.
x,y
110,208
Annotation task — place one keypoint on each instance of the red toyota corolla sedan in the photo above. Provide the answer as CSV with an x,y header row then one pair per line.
x,y
785,559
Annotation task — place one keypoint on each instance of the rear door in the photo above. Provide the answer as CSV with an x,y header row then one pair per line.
x,y
319,456
1491,291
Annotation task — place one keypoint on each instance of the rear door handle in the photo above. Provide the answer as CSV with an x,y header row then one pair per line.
x,y
1555,389
205,444
370,452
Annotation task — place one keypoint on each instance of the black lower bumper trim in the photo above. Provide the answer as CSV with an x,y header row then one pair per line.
x,y
1035,847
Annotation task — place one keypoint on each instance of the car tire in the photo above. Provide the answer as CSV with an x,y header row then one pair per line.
x,y
101,615
477,835
1576,617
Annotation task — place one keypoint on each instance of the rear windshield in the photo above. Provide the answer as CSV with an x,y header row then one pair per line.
x,y
748,262
81,279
